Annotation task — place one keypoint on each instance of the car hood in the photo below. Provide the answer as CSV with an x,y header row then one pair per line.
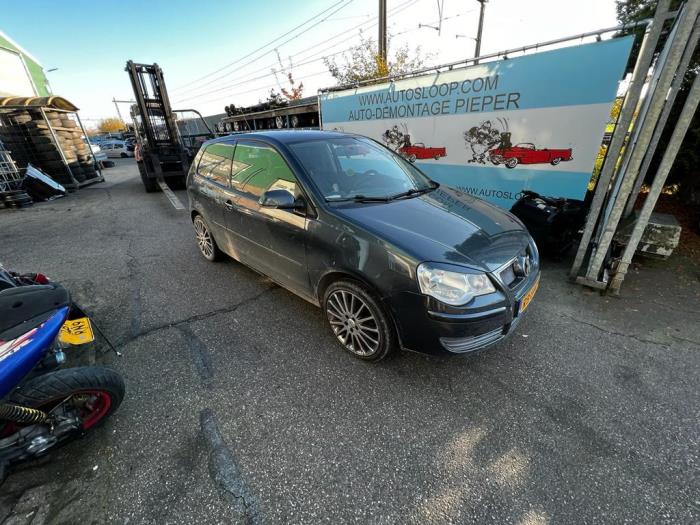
x,y
444,225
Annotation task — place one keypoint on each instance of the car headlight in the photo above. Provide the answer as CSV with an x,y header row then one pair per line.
x,y
453,288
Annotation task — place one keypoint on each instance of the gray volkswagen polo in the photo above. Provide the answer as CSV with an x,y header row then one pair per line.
x,y
394,259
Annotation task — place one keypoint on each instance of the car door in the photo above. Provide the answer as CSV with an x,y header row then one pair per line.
x,y
275,239
213,173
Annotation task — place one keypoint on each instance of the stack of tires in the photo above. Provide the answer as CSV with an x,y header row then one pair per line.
x,y
29,138
15,199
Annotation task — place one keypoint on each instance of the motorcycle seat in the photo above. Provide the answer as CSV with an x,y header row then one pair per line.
x,y
20,304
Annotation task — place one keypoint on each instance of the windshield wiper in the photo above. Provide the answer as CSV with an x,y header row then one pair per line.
x,y
414,191
361,198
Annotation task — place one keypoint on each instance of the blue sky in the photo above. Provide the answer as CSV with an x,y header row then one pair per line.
x,y
90,41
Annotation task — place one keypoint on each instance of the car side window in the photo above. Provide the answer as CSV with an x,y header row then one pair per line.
x,y
266,167
215,163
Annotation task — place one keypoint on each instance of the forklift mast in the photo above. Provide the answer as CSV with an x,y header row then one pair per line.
x,y
162,150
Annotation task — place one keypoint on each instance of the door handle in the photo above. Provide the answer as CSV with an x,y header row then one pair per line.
x,y
229,205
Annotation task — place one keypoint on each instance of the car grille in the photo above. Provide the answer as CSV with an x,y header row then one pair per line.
x,y
508,274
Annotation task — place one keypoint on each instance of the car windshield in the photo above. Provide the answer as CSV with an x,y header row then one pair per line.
x,y
355,168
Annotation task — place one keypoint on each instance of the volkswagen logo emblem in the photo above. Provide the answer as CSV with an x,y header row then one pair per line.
x,y
522,266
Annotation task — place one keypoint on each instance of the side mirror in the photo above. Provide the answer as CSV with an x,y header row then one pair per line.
x,y
281,200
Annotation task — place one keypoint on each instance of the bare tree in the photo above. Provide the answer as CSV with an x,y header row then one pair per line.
x,y
295,91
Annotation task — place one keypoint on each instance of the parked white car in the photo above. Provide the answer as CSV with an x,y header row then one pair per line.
x,y
117,148
97,152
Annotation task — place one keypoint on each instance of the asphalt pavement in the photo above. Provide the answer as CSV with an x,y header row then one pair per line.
x,y
242,408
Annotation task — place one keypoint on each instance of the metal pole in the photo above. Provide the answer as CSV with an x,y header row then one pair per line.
x,y
674,145
641,68
60,149
680,75
685,27
382,31
477,49
92,154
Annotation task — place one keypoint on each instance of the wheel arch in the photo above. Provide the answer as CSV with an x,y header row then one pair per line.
x,y
339,275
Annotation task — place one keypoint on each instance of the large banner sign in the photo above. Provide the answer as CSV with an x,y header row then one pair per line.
x,y
533,122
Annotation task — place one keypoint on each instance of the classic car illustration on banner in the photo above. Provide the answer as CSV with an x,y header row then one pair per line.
x,y
527,153
400,142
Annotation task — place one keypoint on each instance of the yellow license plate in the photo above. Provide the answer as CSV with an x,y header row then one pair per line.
x,y
527,298
76,332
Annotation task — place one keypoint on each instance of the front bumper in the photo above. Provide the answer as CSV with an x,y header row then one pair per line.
x,y
428,327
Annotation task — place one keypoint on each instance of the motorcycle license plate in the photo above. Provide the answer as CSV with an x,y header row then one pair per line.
x,y
76,332
527,298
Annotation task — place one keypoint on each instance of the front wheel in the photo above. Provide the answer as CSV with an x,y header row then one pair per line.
x,y
90,393
358,321
511,163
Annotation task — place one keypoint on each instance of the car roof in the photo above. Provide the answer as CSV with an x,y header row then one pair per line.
x,y
280,137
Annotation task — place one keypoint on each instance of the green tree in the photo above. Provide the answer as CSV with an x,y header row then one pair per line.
x,y
362,62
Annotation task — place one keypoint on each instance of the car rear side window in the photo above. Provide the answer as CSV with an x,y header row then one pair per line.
x,y
262,168
215,163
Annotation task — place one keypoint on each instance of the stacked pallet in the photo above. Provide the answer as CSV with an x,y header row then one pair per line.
x,y
29,136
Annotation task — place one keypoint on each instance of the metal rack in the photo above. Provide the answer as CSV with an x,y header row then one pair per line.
x,y
47,132
10,177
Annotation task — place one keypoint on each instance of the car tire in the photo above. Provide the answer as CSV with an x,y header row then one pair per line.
x,y
358,321
412,158
205,240
555,161
123,155
511,163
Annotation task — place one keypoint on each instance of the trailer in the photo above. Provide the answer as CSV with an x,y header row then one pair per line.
x,y
295,114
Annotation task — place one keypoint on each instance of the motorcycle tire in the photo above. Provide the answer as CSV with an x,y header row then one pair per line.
x,y
46,391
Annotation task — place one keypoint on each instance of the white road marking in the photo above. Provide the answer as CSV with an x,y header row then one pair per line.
x,y
174,200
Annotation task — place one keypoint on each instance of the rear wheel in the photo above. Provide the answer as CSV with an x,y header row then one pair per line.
x,y
150,184
555,161
93,392
358,321
77,400
205,240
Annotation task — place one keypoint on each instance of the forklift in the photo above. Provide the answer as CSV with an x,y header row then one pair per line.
x,y
166,142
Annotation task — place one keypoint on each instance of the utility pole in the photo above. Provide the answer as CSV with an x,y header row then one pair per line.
x,y
117,106
382,31
477,51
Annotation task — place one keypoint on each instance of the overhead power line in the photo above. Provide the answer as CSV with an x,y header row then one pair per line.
x,y
404,5
221,97
346,2
306,60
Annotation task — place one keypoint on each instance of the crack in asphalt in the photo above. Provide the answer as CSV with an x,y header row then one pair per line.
x,y
196,317
225,474
136,305
623,334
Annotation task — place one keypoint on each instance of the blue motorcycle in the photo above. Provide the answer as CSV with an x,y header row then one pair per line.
x,y
44,403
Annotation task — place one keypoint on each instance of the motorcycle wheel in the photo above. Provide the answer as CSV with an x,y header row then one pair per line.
x,y
95,392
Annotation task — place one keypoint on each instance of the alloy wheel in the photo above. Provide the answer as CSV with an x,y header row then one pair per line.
x,y
204,238
353,323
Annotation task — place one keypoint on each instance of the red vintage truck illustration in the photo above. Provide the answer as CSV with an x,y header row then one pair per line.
x,y
527,153
419,151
